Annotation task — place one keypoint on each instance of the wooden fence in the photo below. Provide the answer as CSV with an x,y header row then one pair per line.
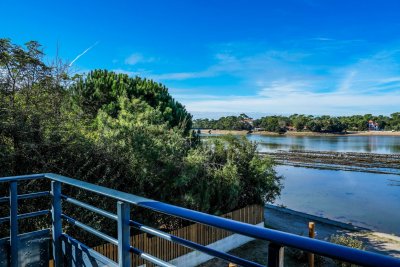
x,y
199,233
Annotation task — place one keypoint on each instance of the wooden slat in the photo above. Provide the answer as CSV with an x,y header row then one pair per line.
x,y
198,233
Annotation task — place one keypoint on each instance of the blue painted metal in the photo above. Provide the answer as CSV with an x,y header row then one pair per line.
x,y
163,235
90,207
33,249
22,178
112,216
150,258
123,211
279,238
90,229
33,214
194,246
78,254
34,195
14,224
26,215
4,219
56,222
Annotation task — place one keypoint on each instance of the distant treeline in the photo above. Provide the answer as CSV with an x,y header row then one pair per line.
x,y
301,122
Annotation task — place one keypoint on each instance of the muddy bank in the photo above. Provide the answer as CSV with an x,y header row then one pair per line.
x,y
370,162
297,223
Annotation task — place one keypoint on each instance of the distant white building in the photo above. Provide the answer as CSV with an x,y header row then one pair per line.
x,y
248,120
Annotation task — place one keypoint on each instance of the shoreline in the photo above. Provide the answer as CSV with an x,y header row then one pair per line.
x,y
292,133
295,222
288,220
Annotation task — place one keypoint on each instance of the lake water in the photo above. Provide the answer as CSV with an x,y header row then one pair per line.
x,y
363,199
374,144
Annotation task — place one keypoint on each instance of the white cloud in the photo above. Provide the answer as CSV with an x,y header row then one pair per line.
x,y
136,58
295,81
278,88
335,103
347,82
267,63
181,75
133,59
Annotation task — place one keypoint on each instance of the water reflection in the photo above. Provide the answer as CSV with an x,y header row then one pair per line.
x,y
374,144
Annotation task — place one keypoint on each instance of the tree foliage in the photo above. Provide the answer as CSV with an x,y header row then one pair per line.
x,y
101,90
226,173
300,122
117,131
224,123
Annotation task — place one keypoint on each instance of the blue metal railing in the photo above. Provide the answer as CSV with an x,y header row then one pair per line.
x,y
278,240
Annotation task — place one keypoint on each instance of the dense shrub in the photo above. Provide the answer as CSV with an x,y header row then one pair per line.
x,y
117,131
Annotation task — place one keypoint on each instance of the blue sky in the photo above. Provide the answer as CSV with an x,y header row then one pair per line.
x,y
227,57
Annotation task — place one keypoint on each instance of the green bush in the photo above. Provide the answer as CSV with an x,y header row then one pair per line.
x,y
121,132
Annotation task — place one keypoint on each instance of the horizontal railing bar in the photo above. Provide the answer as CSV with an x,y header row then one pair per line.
x,y
33,214
26,196
101,190
315,246
4,219
150,258
163,235
90,207
34,195
323,248
26,215
90,229
193,245
22,177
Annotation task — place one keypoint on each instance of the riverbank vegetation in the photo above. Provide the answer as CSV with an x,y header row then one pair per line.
x,y
117,131
299,123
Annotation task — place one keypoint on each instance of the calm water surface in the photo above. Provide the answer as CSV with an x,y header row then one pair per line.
x,y
364,199
374,144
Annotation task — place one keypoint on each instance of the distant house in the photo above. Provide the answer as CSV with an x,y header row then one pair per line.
x,y
257,129
373,126
248,120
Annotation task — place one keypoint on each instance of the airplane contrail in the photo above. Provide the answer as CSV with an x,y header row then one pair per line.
x,y
81,54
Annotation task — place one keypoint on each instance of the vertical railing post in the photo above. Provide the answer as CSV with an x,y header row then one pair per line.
x,y
275,255
311,234
124,259
56,222
14,223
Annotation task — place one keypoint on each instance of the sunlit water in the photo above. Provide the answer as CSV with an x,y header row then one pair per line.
x,y
374,144
363,199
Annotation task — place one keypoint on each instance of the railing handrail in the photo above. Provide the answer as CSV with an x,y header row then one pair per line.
x,y
316,246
